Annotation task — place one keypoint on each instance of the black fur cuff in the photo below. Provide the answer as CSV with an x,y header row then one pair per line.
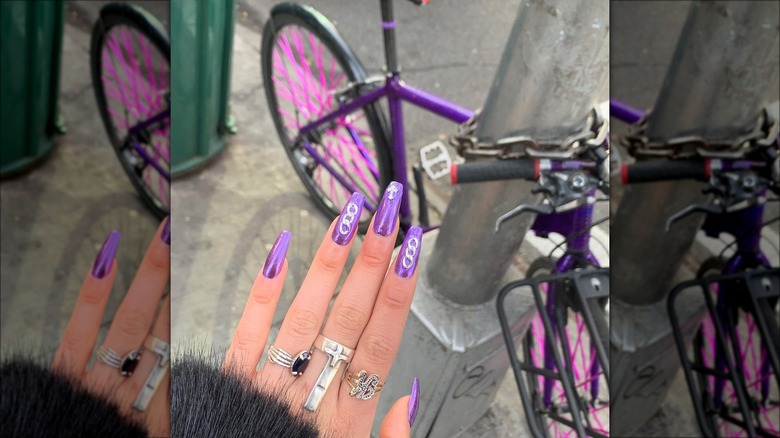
x,y
206,402
38,403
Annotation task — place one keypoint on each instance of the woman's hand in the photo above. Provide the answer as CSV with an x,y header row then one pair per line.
x,y
367,317
133,322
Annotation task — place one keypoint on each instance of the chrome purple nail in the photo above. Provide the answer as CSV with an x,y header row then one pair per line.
x,y
106,255
387,213
166,232
406,261
414,400
348,221
275,260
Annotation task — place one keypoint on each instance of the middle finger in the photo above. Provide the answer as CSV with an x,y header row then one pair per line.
x,y
355,302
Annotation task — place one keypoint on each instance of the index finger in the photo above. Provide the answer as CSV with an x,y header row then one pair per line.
x,y
81,333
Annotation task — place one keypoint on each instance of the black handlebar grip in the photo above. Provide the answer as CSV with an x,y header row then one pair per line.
x,y
494,170
665,171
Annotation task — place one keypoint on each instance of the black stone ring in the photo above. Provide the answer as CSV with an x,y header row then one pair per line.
x,y
126,365
296,365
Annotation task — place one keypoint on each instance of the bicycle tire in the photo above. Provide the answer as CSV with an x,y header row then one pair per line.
x,y
286,17
112,16
703,347
541,267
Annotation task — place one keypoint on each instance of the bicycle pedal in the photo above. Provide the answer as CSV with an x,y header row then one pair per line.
x,y
435,160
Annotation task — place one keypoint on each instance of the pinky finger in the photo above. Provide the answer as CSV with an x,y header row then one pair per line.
x,y
80,335
252,331
399,420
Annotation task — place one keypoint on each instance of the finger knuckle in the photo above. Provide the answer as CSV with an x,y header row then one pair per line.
x,y
395,297
328,265
242,342
349,317
93,296
159,261
343,421
379,350
374,258
70,343
262,298
303,323
133,323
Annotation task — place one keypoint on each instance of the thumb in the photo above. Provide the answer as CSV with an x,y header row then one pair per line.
x,y
396,422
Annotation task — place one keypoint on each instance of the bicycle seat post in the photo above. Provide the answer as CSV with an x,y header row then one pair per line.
x,y
388,32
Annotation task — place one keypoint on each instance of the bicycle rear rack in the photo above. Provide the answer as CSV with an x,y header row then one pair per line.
x,y
578,287
758,285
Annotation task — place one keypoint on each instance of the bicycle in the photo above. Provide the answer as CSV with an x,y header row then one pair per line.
x,y
564,356
735,349
130,64
328,117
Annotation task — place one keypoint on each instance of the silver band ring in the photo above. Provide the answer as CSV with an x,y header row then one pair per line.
x,y
296,365
337,354
162,350
126,365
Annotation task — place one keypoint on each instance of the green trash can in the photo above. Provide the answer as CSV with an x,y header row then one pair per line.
x,y
201,53
31,51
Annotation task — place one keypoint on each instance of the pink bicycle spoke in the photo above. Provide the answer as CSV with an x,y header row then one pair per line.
x,y
136,72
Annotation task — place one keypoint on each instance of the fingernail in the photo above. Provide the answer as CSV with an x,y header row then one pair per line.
x,y
275,260
166,232
106,255
414,400
348,221
406,261
387,213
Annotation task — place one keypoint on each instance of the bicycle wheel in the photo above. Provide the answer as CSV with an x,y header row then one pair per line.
x,y
718,396
550,405
305,63
130,64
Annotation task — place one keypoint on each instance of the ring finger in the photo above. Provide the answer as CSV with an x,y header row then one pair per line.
x,y
379,343
355,302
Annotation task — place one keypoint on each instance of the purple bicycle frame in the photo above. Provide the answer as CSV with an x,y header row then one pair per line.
x,y
396,92
135,130
573,224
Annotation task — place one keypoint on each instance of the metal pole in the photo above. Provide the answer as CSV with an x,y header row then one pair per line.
x,y
553,70
723,72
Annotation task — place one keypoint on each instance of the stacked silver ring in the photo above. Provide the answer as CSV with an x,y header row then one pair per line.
x,y
296,365
126,365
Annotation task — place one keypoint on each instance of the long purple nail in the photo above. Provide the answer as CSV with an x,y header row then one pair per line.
x,y
106,255
275,260
387,213
406,261
166,232
348,221
414,400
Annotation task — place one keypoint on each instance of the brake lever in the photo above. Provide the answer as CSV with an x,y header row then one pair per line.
x,y
538,209
704,208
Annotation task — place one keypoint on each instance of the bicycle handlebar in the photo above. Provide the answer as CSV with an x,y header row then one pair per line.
x,y
494,170
665,171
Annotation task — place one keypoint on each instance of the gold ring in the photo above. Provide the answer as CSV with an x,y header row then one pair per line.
x,y
364,385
